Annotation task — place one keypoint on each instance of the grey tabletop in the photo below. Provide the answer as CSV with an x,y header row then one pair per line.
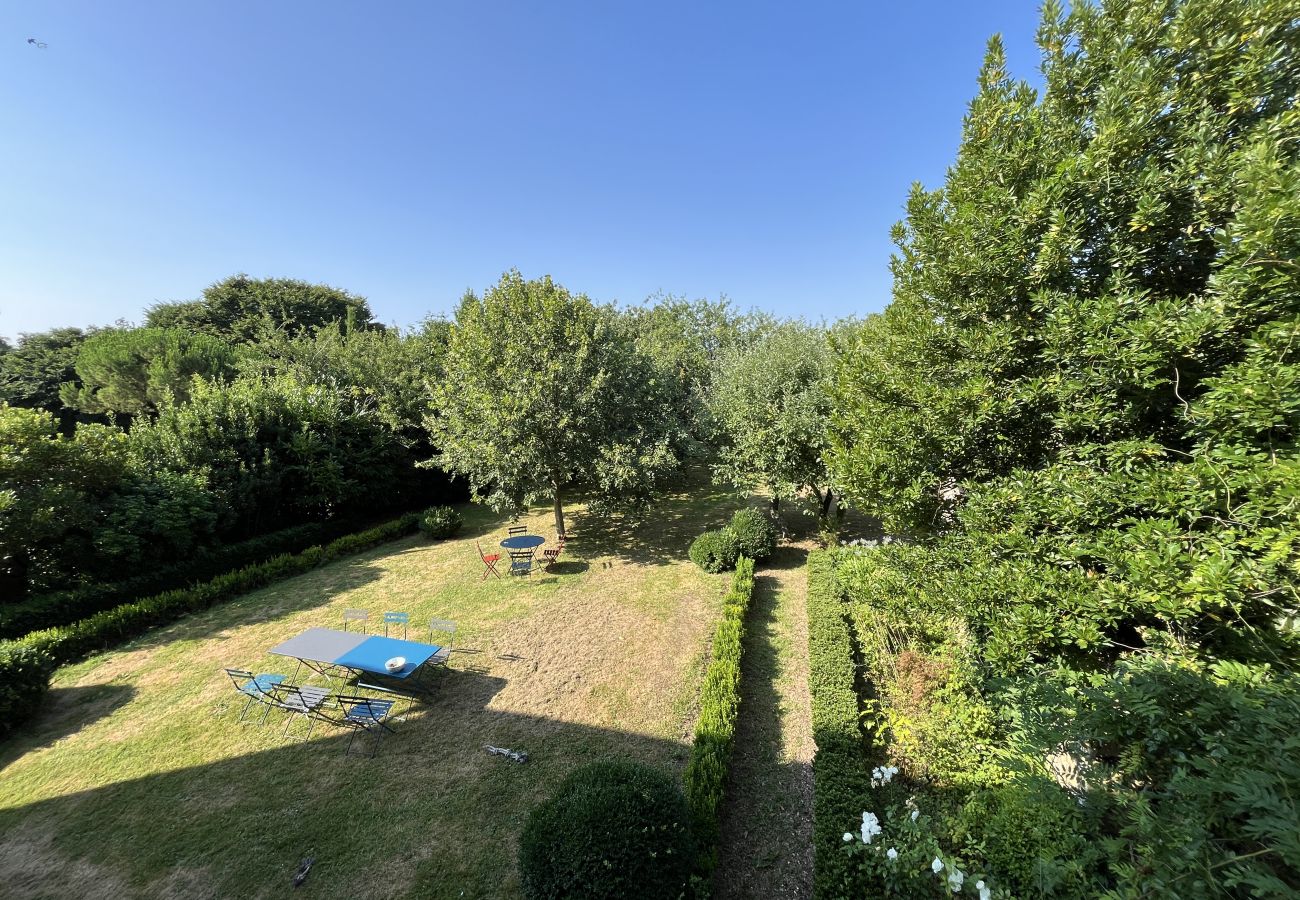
x,y
320,644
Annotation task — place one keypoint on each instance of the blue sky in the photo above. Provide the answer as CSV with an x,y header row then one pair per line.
x,y
407,151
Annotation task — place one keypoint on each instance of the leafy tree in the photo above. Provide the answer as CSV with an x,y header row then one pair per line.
x,y
275,451
133,371
545,392
771,404
240,308
32,372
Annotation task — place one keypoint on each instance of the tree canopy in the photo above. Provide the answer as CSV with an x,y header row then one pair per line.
x,y
543,391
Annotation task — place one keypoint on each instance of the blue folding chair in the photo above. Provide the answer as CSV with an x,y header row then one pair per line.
x,y
363,714
395,619
258,689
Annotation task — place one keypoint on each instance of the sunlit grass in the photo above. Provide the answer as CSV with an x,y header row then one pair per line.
x,y
138,781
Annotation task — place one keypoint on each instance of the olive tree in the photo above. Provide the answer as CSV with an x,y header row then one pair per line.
x,y
545,392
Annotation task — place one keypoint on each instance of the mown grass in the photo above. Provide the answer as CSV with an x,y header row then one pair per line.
x,y
138,781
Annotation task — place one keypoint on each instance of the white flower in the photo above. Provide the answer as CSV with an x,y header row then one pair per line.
x,y
915,814
937,866
892,853
955,878
870,827
848,836
985,893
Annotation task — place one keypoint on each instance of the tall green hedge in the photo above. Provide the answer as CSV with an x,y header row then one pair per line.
x,y
27,664
715,730
841,772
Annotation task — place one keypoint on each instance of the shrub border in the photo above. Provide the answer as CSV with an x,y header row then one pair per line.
x,y
840,765
715,729
27,664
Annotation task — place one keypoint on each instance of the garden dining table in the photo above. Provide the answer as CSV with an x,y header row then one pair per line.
x,y
523,542
323,649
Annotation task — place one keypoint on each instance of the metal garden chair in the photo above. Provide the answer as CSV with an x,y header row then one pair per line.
x,y
360,616
521,562
550,556
443,633
489,560
258,689
517,529
362,714
300,700
394,619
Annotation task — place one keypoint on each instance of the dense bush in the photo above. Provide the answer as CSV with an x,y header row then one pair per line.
x,y
840,765
715,730
62,607
440,522
755,533
613,829
715,551
56,646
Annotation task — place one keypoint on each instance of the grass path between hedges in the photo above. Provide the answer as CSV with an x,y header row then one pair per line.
x,y
137,780
766,847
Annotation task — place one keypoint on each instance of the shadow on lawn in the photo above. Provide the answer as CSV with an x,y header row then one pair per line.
x,y
66,711
662,535
441,812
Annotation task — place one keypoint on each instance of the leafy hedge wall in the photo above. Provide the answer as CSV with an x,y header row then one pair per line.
x,y
62,607
715,730
840,769
27,664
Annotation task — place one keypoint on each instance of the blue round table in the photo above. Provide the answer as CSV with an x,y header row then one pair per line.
x,y
523,542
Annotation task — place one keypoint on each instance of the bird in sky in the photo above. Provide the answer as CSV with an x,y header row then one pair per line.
x,y
39,44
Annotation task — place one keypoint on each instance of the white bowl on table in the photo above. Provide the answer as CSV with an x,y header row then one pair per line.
x,y
396,664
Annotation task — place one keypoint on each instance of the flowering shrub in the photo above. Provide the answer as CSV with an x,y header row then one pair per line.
x,y
613,829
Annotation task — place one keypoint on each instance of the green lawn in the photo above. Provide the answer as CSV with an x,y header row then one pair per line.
x,y
138,780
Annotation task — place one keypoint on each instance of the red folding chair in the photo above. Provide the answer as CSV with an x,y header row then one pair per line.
x,y
489,560
550,556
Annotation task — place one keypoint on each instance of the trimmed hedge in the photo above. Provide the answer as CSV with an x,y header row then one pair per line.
x,y
615,828
440,522
27,664
62,607
755,532
715,730
841,771
715,551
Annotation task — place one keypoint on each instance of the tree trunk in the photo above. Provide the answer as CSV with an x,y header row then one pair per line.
x,y
826,504
559,510
776,503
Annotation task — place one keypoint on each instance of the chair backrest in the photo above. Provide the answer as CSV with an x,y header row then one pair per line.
x,y
481,554
302,698
517,529
442,632
395,619
239,677
356,615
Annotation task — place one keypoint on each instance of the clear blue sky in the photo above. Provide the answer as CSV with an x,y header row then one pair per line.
x,y
407,151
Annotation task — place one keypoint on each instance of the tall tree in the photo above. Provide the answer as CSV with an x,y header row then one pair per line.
x,y
32,372
771,403
240,308
133,371
545,392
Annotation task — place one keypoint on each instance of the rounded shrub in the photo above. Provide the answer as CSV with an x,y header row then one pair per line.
x,y
440,522
755,533
715,551
614,829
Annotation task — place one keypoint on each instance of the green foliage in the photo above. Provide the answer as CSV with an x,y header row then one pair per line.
x,y
32,659
614,828
755,533
715,551
840,764
136,370
32,372
544,392
208,561
715,730
771,405
440,522
242,309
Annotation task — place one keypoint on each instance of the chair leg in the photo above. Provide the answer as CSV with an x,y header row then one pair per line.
x,y
243,712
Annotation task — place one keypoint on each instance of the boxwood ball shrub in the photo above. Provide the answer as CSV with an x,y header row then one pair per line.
x,y
715,551
440,522
755,533
614,829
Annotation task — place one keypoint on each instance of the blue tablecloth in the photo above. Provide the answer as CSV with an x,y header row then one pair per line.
x,y
356,651
523,542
